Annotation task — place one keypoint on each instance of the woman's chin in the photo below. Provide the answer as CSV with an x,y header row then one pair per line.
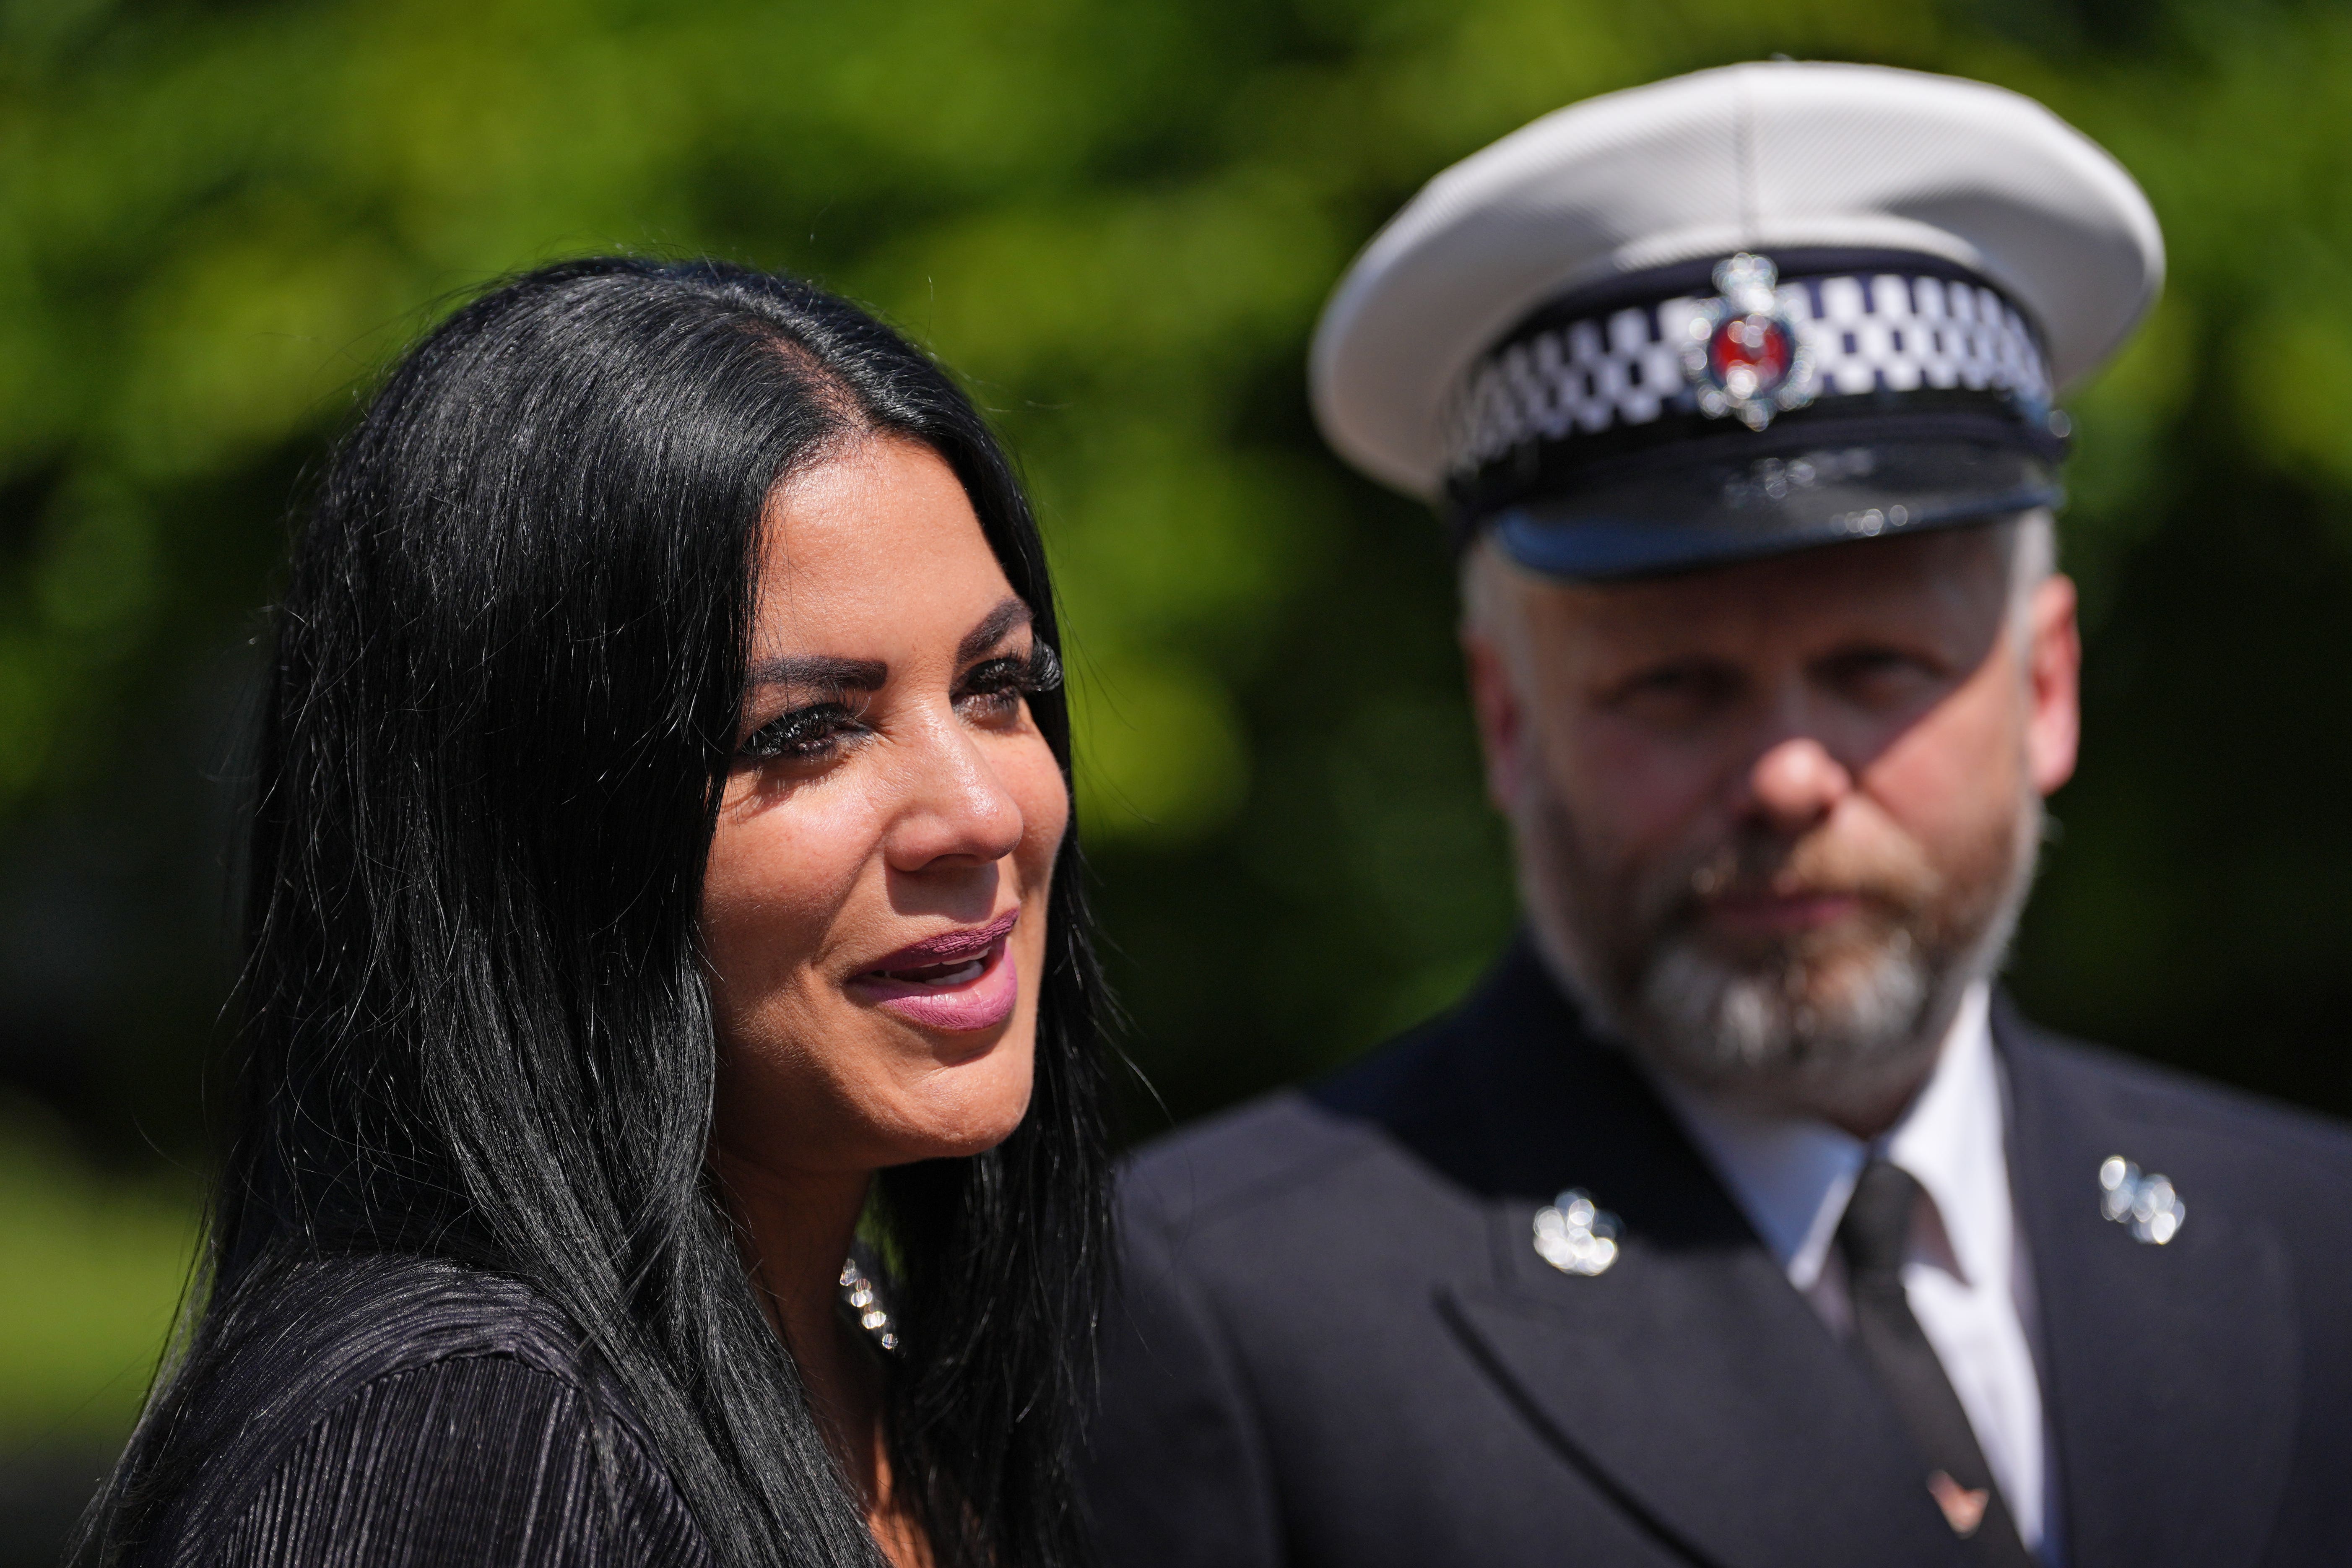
x,y
972,1117
962,1146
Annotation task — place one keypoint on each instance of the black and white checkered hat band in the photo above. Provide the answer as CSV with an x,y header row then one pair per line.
x,y
1889,331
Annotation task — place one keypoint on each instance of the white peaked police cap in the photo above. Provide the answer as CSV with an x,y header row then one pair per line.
x,y
1621,316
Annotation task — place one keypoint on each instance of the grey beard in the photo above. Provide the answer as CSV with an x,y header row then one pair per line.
x,y
1751,1035
1746,1035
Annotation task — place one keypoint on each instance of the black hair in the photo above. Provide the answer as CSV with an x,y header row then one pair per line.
x,y
501,707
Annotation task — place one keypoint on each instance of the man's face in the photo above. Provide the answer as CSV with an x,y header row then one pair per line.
x,y
1773,817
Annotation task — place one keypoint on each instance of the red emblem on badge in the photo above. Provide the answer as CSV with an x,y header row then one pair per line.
x,y
1745,357
1749,356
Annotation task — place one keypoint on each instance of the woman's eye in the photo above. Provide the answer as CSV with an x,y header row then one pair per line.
x,y
992,687
999,685
805,734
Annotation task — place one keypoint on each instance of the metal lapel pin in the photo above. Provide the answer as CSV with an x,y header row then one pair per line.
x,y
2146,1204
1576,1238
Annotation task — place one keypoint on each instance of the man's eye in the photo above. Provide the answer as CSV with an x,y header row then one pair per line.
x,y
1678,686
805,734
1879,672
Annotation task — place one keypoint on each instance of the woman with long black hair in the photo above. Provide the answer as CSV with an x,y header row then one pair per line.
x,y
670,1127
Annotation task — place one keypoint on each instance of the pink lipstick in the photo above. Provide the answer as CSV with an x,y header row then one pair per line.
x,y
959,980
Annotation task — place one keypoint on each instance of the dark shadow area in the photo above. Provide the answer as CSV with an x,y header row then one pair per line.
x,y
42,1493
2192,908
114,958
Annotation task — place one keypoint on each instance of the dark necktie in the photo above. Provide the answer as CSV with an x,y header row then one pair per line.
x,y
1871,1237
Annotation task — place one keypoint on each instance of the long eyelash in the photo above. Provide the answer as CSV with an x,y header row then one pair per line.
x,y
1044,672
1008,676
769,742
1039,673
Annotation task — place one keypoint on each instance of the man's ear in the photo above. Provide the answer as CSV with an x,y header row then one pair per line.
x,y
1495,705
2053,671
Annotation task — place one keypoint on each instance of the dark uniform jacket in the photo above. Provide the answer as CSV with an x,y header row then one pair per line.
x,y
1337,1344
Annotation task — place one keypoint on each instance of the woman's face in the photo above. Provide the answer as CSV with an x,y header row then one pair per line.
x,y
874,915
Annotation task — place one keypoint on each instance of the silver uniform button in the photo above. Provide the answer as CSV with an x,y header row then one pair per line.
x,y
1576,1238
2145,1202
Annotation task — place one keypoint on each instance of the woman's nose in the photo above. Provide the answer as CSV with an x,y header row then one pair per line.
x,y
958,810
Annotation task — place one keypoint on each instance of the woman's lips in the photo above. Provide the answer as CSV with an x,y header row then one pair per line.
x,y
959,980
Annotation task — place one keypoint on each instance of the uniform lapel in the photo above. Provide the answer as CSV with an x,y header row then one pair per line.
x,y
1696,1386
2170,1371
1689,1380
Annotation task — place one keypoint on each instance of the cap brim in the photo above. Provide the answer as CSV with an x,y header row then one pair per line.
x,y
1705,513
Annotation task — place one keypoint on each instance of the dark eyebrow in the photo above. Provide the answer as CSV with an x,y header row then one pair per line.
x,y
824,673
991,630
829,674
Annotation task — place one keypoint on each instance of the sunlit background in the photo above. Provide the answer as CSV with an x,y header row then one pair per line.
x,y
1117,219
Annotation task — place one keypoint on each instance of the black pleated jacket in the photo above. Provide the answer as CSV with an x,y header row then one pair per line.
x,y
1336,1344
405,1411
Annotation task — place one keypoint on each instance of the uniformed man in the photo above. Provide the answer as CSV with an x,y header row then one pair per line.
x,y
1736,1219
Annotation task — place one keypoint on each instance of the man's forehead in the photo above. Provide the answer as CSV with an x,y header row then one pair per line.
x,y
1954,575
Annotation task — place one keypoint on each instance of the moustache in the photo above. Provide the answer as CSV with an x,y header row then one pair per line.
x,y
1891,877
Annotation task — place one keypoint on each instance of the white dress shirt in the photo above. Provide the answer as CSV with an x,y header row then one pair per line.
x,y
1965,1273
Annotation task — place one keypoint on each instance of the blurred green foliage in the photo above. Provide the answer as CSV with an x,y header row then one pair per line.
x,y
1117,218
95,1262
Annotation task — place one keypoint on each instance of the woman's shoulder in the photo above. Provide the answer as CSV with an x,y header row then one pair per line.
x,y
401,1409
331,1322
